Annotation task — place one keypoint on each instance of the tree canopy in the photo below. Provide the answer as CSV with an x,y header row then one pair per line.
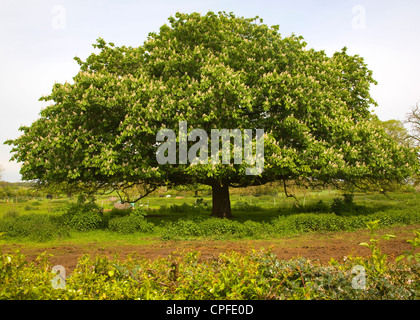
x,y
215,71
396,130
413,119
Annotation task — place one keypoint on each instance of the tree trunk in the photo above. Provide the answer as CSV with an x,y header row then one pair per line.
x,y
221,201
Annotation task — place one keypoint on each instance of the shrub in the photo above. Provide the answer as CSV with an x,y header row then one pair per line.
x,y
180,229
134,222
214,228
85,221
200,226
313,222
256,229
283,225
346,207
217,226
83,216
37,227
228,276
138,212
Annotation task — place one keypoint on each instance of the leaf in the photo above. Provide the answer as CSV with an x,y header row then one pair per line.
x,y
399,258
205,78
388,236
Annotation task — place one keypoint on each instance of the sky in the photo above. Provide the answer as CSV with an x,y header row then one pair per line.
x,y
39,39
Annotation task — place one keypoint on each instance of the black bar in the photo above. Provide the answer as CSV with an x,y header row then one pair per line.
x,y
216,310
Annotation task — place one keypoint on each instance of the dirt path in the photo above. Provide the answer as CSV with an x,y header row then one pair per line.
x,y
316,247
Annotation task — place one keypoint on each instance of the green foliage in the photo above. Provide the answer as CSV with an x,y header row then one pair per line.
x,y
319,206
378,260
11,213
396,130
200,203
196,207
410,254
191,227
36,227
345,206
190,221
82,216
213,228
138,212
134,222
245,206
256,275
215,70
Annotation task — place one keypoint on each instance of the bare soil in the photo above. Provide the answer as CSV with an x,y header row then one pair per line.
x,y
319,248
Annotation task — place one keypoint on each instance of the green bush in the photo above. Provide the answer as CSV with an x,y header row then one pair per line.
x,y
184,276
185,228
256,229
83,216
393,217
130,224
346,207
37,227
201,204
307,222
214,228
283,225
85,221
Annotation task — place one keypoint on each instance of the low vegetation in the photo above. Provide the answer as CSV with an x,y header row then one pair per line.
x,y
191,220
184,275
231,275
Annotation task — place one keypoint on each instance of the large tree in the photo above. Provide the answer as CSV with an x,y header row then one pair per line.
x,y
396,130
216,71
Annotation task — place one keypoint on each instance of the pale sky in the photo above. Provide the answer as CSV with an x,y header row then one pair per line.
x,y
39,39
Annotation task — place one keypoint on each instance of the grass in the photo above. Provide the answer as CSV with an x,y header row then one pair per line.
x,y
106,238
274,217
255,217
